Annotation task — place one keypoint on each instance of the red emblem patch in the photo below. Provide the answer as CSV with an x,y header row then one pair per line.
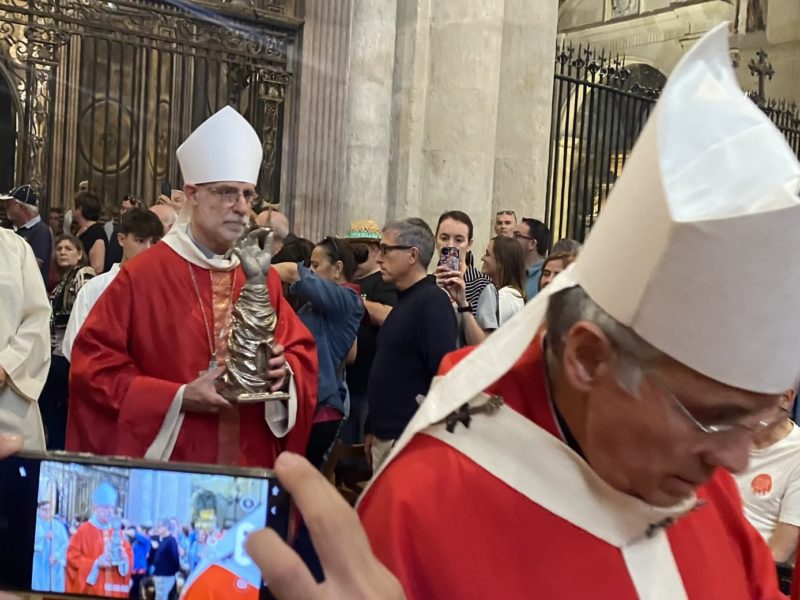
x,y
761,484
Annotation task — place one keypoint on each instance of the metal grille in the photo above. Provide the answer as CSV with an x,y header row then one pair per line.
x,y
106,91
785,115
599,108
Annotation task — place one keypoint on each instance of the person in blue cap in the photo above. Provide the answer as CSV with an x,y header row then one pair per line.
x,y
22,209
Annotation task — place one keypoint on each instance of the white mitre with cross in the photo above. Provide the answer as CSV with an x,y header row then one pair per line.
x,y
225,147
694,250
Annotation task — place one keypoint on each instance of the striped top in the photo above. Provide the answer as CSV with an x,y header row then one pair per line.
x,y
475,283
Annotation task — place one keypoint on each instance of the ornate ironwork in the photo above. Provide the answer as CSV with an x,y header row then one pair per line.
x,y
116,85
599,106
762,69
783,113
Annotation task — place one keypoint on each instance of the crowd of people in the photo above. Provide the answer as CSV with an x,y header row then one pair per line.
x,y
343,289
595,400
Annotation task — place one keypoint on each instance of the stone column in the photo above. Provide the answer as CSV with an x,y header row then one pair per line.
x,y
447,107
473,83
319,165
369,111
449,71
524,107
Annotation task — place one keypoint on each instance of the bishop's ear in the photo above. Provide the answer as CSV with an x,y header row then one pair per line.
x,y
587,355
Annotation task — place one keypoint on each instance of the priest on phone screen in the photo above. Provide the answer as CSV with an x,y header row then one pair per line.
x,y
99,557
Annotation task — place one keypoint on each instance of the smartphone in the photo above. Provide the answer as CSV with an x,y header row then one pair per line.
x,y
77,525
450,258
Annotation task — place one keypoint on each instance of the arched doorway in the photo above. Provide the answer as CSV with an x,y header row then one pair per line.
x,y
8,134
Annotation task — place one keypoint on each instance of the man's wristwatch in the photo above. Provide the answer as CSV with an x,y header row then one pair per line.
x,y
465,309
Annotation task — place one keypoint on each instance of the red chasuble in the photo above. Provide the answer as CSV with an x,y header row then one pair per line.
x,y
448,528
146,337
85,547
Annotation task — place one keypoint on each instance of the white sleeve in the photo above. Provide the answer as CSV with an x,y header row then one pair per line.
x,y
77,317
281,417
486,311
167,436
790,502
510,302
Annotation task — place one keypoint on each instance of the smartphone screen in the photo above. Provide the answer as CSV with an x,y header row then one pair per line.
x,y
108,528
449,257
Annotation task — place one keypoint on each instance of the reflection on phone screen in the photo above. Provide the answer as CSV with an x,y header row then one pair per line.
x,y
116,532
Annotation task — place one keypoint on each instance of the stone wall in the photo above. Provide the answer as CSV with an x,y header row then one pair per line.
x,y
662,31
447,107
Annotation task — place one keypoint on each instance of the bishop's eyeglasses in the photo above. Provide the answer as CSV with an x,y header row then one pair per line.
x,y
751,423
230,196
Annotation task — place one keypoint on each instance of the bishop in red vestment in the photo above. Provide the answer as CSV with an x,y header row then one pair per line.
x,y
485,539
137,386
593,460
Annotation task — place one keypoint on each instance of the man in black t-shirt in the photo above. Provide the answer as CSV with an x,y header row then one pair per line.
x,y
22,209
379,296
414,338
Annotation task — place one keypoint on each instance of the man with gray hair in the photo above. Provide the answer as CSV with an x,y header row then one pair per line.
x,y
23,212
418,332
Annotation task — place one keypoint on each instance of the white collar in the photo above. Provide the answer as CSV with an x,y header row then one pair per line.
x,y
180,239
30,223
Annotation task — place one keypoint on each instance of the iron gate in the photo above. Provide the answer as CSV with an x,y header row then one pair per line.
x,y
600,106
785,115
104,91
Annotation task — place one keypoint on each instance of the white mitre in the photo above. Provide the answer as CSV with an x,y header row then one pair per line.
x,y
694,250
225,147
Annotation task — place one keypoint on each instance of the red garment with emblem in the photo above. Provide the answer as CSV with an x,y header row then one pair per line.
x,y
447,528
218,583
85,547
146,337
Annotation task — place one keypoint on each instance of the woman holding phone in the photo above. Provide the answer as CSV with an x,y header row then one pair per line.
x,y
473,295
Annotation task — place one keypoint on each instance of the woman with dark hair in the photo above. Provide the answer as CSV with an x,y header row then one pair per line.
x,y
73,271
332,312
91,234
504,263
454,230
471,291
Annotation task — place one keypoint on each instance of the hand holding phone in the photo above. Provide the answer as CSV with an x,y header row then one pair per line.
x,y
351,569
75,520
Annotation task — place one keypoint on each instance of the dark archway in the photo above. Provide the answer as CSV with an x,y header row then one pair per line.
x,y
8,134
600,106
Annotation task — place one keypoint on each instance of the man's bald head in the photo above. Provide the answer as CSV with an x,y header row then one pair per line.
x,y
166,214
278,222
